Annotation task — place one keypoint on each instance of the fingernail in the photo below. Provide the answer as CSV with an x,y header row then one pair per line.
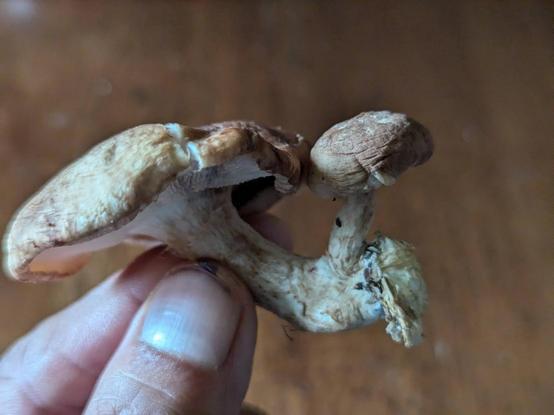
x,y
192,316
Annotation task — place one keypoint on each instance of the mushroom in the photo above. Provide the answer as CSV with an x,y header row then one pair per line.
x,y
187,187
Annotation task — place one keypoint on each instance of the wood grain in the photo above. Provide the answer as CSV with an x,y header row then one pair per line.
x,y
478,74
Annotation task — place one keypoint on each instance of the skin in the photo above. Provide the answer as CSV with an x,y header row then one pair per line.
x,y
56,369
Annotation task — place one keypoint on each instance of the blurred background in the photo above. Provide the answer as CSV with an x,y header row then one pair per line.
x,y
477,74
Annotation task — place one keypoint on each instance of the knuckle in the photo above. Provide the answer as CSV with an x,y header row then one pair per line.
x,y
15,399
126,394
26,370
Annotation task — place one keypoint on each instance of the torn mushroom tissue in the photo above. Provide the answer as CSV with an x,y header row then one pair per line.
x,y
174,184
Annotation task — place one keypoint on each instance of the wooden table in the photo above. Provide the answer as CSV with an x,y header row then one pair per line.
x,y
478,74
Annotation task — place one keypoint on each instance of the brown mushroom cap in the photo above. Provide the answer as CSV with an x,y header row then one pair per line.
x,y
366,151
107,188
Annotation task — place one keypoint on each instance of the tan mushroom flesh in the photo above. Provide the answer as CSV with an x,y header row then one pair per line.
x,y
185,187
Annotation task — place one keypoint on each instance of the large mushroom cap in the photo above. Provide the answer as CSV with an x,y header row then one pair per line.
x,y
84,207
370,149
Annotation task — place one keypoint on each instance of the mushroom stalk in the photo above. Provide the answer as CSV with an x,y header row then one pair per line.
x,y
326,294
347,240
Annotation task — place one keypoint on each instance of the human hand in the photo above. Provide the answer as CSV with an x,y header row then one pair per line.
x,y
162,336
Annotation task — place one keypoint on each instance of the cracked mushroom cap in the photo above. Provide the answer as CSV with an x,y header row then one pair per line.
x,y
367,151
85,206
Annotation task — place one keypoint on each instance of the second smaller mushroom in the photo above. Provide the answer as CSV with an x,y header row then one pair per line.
x,y
185,187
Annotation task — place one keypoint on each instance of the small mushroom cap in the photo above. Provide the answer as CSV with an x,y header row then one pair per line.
x,y
367,151
85,206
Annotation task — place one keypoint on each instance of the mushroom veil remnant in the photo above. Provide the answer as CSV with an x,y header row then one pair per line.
x,y
188,187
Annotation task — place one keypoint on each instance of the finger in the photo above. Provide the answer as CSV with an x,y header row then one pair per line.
x,y
188,350
54,367
76,343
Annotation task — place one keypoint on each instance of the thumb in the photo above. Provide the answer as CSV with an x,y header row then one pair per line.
x,y
188,350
